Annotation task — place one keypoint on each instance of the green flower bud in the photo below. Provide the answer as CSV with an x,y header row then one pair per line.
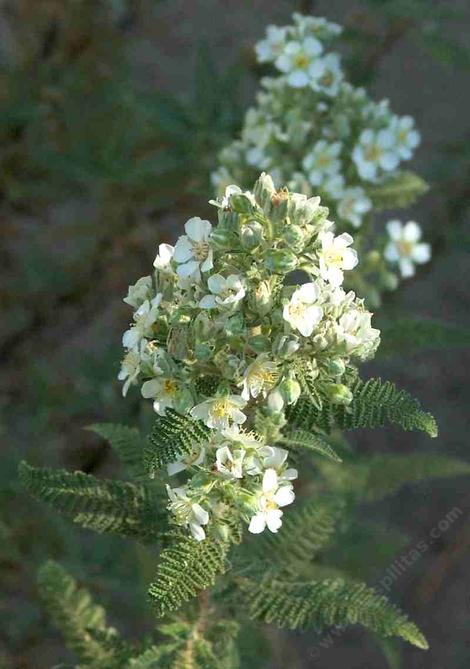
x,y
264,190
235,325
281,261
290,390
336,366
294,237
338,393
251,235
390,280
222,238
259,343
241,203
203,351
261,300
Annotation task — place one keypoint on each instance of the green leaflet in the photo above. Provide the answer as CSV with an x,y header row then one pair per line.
x,y
73,612
328,603
114,507
186,567
306,529
375,403
310,441
173,435
403,336
377,476
128,444
399,190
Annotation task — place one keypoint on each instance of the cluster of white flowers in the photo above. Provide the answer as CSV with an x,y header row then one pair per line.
x,y
316,133
220,334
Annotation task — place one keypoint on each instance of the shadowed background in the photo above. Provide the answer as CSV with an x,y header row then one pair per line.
x,y
111,116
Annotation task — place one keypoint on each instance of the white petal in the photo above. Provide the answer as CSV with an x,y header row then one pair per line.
x,y
290,474
308,293
421,253
200,514
297,79
208,263
407,268
197,229
394,229
411,232
350,259
175,467
188,269
391,253
197,532
335,276
151,388
284,496
273,520
269,480
216,283
183,249
257,524
208,302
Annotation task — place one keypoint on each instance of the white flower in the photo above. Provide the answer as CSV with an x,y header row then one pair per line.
x,y
275,458
230,464
225,291
273,495
192,460
192,251
353,205
188,512
405,136
299,61
335,256
267,50
163,391
139,292
355,332
334,186
331,75
259,377
322,161
303,312
144,318
130,368
375,151
164,257
220,413
405,248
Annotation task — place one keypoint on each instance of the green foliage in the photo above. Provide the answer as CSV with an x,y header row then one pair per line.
x,y
376,476
128,444
305,531
404,336
186,567
74,613
311,441
375,403
173,435
400,190
114,507
329,602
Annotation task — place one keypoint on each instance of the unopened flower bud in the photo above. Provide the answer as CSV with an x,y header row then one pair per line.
x,y
336,366
339,393
390,280
241,203
251,235
290,390
294,237
264,189
261,299
281,261
275,401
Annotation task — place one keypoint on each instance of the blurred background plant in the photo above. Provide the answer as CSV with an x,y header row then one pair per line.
x,y
111,117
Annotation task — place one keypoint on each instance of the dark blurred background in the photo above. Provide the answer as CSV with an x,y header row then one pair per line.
x,y
111,116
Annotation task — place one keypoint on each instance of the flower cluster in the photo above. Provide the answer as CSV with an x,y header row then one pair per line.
x,y
316,133
222,334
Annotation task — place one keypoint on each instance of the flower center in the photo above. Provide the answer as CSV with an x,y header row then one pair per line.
x,y
169,386
327,79
402,136
220,409
200,250
333,257
302,61
373,152
405,247
324,160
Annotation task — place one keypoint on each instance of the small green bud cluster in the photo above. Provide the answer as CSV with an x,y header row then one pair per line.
x,y
221,332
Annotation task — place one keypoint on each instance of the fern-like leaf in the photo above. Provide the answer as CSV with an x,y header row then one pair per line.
x,y
114,507
310,441
328,603
173,435
186,567
378,476
375,403
408,335
73,612
399,190
128,444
